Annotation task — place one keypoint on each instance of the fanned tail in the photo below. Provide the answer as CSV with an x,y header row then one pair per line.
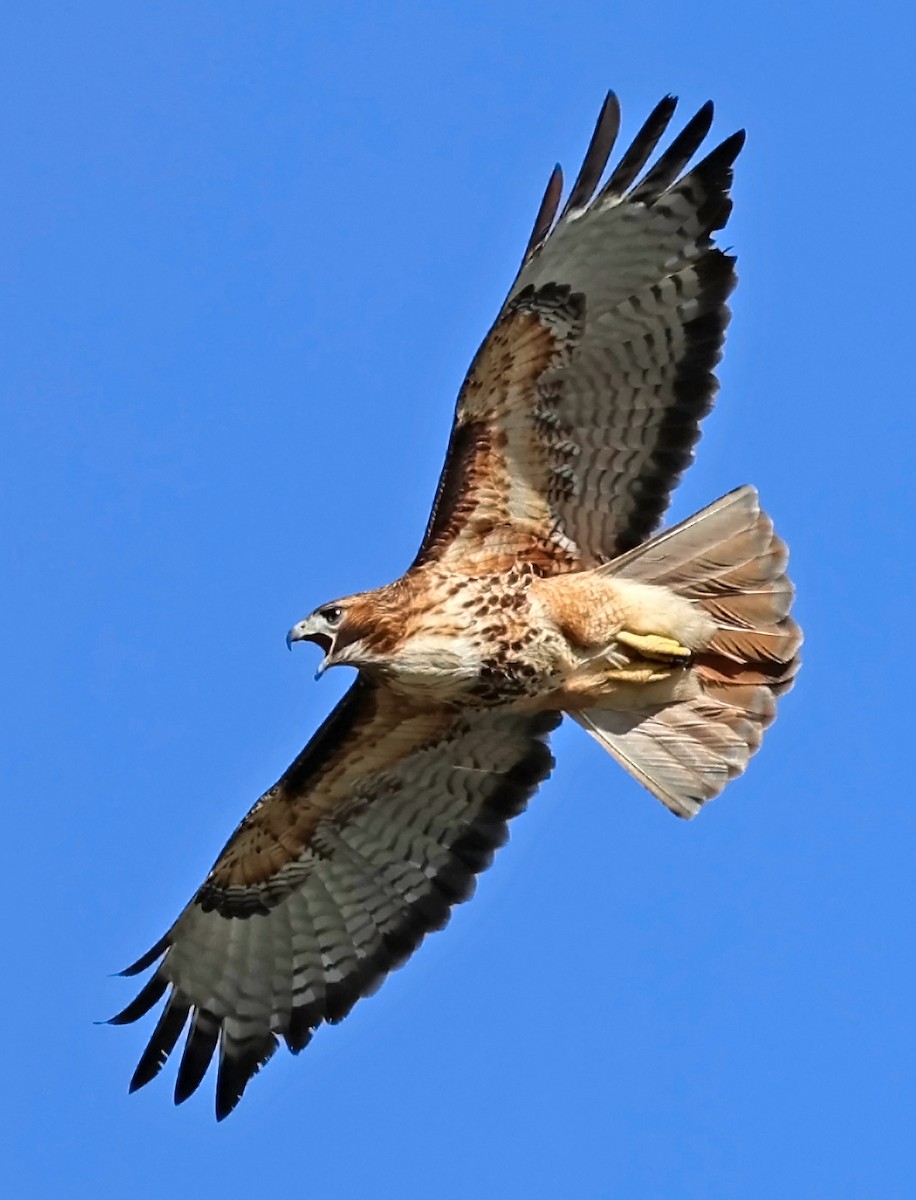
x,y
728,561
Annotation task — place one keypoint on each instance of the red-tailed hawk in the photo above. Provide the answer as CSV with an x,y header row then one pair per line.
x,y
534,593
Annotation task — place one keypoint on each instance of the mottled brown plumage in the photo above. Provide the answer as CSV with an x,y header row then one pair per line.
x,y
534,593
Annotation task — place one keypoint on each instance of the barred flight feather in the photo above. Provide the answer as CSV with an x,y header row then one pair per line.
x,y
375,881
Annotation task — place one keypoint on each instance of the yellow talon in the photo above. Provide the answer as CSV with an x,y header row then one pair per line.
x,y
654,646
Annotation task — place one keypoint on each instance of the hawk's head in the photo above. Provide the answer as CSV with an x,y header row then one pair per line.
x,y
339,629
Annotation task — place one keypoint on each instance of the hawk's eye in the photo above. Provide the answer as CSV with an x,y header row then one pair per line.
x,y
331,614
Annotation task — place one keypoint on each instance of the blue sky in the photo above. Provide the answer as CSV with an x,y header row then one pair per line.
x,y
248,253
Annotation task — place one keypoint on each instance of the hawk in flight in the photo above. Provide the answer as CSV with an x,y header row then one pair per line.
x,y
535,593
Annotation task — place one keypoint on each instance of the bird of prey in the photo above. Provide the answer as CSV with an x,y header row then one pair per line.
x,y
535,593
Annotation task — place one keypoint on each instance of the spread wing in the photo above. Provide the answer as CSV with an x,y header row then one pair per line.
x,y
333,879
582,406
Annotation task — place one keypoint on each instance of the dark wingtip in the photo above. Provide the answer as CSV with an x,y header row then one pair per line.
x,y
147,960
547,210
664,110
237,1067
716,166
733,145
714,173
599,149
670,164
201,1042
141,1078
149,995
162,1043
641,147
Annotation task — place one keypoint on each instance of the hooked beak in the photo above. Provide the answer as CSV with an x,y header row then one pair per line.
x,y
305,631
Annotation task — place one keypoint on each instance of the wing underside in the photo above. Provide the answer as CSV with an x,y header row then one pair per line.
x,y
332,880
582,407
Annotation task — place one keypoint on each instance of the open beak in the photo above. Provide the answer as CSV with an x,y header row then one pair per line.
x,y
305,631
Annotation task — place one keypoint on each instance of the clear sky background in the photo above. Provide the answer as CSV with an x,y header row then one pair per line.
x,y
248,251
